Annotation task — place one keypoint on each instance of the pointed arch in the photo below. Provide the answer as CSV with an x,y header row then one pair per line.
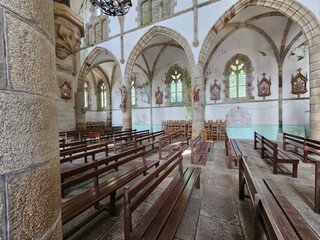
x,y
157,30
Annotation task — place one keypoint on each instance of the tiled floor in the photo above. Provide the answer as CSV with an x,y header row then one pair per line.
x,y
215,211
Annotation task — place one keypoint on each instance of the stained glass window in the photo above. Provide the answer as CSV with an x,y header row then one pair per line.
x,y
176,87
133,92
86,94
237,80
103,95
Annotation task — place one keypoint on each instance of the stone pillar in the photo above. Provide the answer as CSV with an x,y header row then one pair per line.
x,y
127,112
80,110
68,32
198,107
315,93
30,170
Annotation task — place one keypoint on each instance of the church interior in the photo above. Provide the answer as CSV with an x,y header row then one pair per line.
x,y
160,119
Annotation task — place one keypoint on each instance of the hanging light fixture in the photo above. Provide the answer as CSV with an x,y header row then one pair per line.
x,y
113,7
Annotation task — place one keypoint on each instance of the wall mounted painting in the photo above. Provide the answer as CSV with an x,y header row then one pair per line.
x,y
215,91
264,86
299,83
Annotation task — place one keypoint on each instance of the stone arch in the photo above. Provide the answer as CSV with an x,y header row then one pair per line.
x,y
289,8
310,27
84,70
158,30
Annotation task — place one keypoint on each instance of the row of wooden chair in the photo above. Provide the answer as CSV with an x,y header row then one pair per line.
x,y
215,130
96,125
171,126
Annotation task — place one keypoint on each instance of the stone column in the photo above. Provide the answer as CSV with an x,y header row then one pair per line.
x,y
127,112
198,107
68,32
30,170
315,93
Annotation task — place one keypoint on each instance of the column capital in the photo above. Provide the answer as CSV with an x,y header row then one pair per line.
x,y
68,30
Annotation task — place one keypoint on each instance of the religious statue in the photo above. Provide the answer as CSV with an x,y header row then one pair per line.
x,y
264,86
159,96
196,93
123,92
215,91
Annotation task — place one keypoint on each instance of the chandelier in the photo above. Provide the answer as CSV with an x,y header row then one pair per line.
x,y
113,7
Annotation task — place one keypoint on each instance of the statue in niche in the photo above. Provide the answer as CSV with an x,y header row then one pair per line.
x,y
196,93
159,96
123,92
299,83
215,91
264,86
65,90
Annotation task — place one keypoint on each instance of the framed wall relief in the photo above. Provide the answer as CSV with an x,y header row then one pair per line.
x,y
264,86
299,83
65,90
215,91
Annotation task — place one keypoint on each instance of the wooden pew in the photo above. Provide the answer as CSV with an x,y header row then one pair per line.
x,y
123,141
199,148
257,140
101,188
151,138
270,149
296,142
84,152
311,152
275,217
166,145
163,218
234,152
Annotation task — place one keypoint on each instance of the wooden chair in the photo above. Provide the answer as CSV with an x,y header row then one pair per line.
x,y
222,129
214,130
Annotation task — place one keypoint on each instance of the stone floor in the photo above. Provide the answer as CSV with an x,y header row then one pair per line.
x,y
215,211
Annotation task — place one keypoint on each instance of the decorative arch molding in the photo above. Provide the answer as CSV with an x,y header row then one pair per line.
x,y
86,66
157,30
289,8
84,70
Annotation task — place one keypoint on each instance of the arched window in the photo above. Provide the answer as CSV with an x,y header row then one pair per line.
x,y
237,80
133,91
238,74
103,95
176,87
86,94
176,79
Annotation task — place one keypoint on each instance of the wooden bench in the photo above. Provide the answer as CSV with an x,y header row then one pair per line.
x,y
84,152
270,149
234,152
125,140
257,140
293,143
163,217
151,138
167,146
275,217
199,148
101,187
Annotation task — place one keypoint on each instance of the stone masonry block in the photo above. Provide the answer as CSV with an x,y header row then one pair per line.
x,y
39,12
31,69
29,130
37,195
